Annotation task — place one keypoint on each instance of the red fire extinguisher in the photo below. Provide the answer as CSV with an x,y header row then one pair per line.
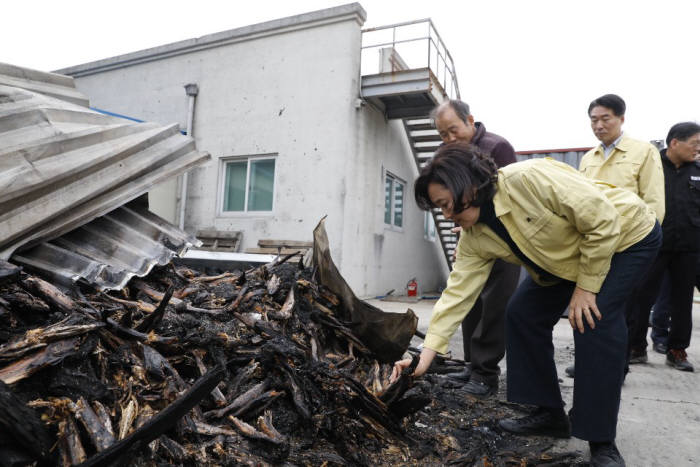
x,y
412,288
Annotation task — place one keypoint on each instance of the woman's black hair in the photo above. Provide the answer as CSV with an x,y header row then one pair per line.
x,y
462,169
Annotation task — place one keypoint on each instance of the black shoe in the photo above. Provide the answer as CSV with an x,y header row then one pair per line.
x,y
480,389
544,422
570,371
605,455
660,347
461,377
678,359
638,356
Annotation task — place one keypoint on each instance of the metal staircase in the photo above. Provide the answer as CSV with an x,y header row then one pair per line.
x,y
409,89
424,140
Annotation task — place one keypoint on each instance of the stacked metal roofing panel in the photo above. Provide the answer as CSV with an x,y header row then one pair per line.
x,y
109,250
48,84
62,166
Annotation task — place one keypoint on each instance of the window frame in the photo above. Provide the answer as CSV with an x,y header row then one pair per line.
x,y
396,179
223,161
429,234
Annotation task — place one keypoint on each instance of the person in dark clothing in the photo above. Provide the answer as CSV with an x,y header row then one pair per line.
x,y
680,249
483,329
661,317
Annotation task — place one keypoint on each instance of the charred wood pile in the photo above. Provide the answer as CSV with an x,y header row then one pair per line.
x,y
261,367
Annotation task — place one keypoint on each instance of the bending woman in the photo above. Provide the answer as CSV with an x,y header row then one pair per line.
x,y
584,243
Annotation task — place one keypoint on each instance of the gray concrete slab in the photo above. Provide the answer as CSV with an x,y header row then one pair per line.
x,y
659,420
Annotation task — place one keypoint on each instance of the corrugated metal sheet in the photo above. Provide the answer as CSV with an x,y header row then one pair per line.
x,y
570,156
63,165
50,84
66,176
109,250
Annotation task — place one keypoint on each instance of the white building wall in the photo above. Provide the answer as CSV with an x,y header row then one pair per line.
x,y
293,94
388,257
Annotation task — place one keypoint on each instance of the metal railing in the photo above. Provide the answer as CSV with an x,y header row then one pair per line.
x,y
417,44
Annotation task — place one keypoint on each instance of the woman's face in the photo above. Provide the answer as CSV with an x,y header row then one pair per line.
x,y
442,198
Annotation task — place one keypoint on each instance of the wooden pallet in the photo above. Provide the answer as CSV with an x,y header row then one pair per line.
x,y
281,247
220,240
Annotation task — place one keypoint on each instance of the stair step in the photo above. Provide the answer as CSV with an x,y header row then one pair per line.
x,y
426,146
420,124
425,138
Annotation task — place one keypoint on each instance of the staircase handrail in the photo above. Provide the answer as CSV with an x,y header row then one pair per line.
x,y
436,42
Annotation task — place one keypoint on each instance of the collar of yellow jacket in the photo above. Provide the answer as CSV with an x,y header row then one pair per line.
x,y
501,200
623,145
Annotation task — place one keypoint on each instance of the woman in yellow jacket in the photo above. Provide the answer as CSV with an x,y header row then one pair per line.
x,y
584,244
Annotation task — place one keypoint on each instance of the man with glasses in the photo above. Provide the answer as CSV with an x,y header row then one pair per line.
x,y
679,252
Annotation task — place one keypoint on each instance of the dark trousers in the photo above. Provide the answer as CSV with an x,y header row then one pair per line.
x,y
600,353
661,316
680,266
483,329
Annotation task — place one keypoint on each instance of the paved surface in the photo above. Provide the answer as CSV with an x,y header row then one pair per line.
x,y
659,421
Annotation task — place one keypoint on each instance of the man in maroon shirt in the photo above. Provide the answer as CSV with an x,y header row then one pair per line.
x,y
483,329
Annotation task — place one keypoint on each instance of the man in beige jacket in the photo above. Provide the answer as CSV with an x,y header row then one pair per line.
x,y
624,162
620,160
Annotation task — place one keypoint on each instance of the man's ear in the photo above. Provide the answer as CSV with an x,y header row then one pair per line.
x,y
622,119
470,119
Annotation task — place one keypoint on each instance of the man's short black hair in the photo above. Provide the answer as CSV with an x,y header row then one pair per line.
x,y
682,131
461,109
461,168
609,101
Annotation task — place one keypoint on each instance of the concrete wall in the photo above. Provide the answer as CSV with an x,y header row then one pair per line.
x,y
294,93
386,258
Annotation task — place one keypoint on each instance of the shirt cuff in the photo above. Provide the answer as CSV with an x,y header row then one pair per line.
x,y
590,283
436,343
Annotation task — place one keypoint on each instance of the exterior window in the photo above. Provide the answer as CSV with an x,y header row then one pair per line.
x,y
249,184
394,189
429,227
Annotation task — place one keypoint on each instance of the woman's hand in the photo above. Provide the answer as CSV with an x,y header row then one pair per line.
x,y
582,306
426,358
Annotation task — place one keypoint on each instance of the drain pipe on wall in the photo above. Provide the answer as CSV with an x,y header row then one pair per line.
x,y
191,90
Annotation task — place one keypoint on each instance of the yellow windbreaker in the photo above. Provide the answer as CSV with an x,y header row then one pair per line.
x,y
564,222
632,164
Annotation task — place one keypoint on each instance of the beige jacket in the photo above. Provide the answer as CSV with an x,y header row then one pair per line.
x,y
632,164
564,222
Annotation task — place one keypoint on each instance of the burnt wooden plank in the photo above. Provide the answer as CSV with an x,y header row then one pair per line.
x,y
161,422
8,272
23,424
53,353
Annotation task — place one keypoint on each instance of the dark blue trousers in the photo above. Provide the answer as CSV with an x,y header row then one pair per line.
x,y
661,316
680,266
600,353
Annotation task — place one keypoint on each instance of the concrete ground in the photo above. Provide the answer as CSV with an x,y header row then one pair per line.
x,y
659,420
